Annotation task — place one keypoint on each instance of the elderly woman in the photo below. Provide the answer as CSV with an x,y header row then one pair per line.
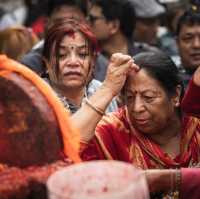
x,y
171,179
149,131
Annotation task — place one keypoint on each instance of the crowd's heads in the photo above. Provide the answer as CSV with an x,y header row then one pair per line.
x,y
188,38
61,29
173,12
190,17
66,8
147,23
147,8
15,42
121,13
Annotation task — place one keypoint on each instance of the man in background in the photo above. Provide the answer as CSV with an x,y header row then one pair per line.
x,y
188,41
113,23
148,14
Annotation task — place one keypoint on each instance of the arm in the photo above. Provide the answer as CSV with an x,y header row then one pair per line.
x,y
166,180
86,118
190,185
91,151
160,180
191,101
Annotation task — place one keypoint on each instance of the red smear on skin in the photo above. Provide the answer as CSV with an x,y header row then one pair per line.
x,y
105,189
71,34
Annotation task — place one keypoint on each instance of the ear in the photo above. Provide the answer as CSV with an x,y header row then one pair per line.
x,y
114,26
176,97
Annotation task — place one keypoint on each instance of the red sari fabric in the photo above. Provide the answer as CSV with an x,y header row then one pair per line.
x,y
190,183
191,176
191,101
116,139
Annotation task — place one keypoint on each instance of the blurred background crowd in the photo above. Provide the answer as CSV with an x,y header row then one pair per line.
x,y
144,25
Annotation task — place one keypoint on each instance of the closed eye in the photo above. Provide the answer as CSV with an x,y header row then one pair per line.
x,y
149,99
83,55
130,98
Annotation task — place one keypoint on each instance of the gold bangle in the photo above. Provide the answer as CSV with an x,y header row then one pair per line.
x,y
96,109
172,180
177,180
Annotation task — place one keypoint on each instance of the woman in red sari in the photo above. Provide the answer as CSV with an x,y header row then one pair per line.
x,y
149,131
162,180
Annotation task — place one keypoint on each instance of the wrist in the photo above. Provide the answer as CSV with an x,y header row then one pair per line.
x,y
108,91
160,180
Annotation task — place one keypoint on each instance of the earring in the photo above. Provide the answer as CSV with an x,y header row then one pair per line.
x,y
177,104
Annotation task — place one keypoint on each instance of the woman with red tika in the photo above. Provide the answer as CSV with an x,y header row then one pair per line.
x,y
150,130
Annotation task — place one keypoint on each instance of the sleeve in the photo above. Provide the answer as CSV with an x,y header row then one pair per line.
x,y
91,151
190,184
191,100
102,146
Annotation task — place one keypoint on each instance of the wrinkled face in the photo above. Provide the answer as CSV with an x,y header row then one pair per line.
x,y
98,23
148,105
146,30
189,46
75,61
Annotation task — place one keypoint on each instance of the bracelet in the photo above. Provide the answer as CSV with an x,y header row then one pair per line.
x,y
172,181
177,180
96,109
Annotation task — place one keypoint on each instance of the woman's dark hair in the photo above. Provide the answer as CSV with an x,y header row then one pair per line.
x,y
161,67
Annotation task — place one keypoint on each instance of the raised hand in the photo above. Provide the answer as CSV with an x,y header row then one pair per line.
x,y
120,65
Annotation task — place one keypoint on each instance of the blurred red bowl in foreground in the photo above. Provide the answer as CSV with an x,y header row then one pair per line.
x,y
99,180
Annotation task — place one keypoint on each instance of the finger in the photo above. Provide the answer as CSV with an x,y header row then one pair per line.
x,y
123,68
119,58
115,56
135,67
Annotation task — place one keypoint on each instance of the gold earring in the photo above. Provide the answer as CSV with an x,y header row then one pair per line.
x,y
177,104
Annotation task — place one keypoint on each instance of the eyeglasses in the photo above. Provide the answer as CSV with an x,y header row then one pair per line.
x,y
92,18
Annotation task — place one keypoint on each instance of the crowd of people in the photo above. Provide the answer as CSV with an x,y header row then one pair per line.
x,y
129,80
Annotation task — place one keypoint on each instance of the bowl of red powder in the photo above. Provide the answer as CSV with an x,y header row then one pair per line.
x,y
98,180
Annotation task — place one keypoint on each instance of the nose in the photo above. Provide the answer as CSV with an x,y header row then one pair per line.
x,y
138,105
196,42
73,60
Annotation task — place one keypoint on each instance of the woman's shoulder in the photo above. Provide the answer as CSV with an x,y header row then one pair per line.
x,y
113,119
